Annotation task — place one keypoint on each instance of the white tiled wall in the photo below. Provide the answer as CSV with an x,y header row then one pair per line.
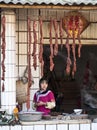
x,y
51,127
74,127
62,126
8,97
38,127
21,45
92,126
17,127
85,127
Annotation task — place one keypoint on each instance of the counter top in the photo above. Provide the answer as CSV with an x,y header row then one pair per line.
x,y
56,121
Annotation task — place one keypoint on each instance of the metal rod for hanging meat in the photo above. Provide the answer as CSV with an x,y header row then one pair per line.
x,y
56,37
3,50
79,40
61,32
34,45
68,62
51,47
41,47
29,63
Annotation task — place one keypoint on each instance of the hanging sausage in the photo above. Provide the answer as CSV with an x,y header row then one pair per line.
x,y
29,63
73,47
68,63
79,39
61,32
3,50
41,47
56,37
51,47
76,24
34,45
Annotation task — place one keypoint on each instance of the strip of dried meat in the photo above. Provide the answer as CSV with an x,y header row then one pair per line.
x,y
41,47
56,37
51,48
61,33
34,45
3,20
79,39
29,64
68,63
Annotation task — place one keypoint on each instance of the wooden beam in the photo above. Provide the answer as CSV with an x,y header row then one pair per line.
x,y
71,38
50,6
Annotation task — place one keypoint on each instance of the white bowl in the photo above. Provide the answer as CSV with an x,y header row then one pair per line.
x,y
77,111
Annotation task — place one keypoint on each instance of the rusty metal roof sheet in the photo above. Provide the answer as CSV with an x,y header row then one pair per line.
x,y
54,2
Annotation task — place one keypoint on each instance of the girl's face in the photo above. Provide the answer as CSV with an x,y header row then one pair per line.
x,y
44,85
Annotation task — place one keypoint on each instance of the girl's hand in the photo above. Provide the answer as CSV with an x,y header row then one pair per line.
x,y
40,103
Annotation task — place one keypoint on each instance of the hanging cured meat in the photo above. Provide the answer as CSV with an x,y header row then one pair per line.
x,y
76,25
41,47
51,47
73,47
79,39
61,33
34,45
29,63
68,64
3,50
56,37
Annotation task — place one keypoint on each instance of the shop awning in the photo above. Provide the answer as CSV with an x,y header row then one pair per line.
x,y
54,2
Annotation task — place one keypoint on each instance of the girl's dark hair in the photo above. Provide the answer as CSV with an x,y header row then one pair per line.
x,y
41,80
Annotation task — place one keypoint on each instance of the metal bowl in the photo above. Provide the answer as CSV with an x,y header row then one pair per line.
x,y
30,116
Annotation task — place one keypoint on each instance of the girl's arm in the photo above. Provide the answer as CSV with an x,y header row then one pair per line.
x,y
51,103
41,103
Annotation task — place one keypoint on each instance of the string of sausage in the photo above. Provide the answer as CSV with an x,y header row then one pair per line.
x,y
29,63
3,50
41,47
34,45
68,66
73,49
61,33
51,47
56,37
79,40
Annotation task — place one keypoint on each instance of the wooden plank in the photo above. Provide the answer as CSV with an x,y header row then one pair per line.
x,y
84,126
74,127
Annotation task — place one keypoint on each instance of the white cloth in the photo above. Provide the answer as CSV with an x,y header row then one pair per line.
x,y
50,105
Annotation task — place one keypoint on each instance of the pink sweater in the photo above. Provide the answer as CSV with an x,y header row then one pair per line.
x,y
44,97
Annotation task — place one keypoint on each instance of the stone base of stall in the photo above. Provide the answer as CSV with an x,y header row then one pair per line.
x,y
54,125
66,126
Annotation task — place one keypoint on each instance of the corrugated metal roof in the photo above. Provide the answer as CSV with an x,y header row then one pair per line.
x,y
54,2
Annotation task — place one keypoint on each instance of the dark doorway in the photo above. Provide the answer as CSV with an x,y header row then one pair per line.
x,y
65,88
69,92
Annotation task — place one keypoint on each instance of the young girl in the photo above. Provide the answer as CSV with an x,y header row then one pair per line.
x,y
44,99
